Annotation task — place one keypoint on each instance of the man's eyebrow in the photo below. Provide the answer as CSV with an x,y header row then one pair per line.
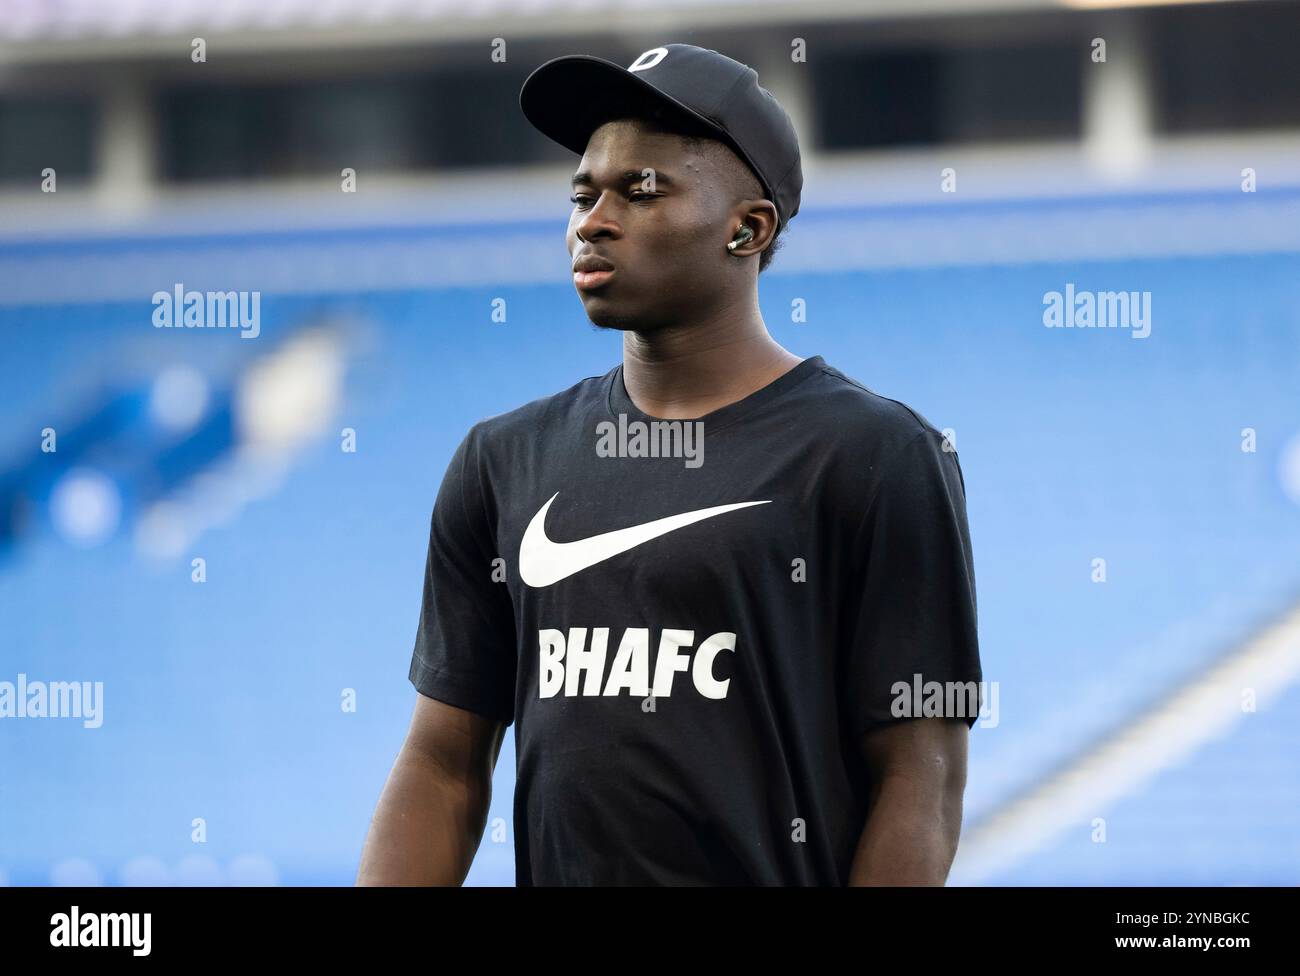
x,y
631,175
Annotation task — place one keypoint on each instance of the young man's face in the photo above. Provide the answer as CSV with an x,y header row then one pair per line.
x,y
668,246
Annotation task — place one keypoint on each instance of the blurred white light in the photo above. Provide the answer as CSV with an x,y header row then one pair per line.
x,y
85,507
1289,469
292,393
145,872
178,398
253,870
1118,4
161,531
198,869
213,498
76,873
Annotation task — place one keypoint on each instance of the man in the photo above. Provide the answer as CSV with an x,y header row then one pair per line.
x,y
701,630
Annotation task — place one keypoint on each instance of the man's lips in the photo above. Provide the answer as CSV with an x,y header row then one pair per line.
x,y
591,271
587,280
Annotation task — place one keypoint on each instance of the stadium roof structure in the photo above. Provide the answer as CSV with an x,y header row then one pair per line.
x,y
51,29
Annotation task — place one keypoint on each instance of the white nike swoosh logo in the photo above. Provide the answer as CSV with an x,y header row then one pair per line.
x,y
543,562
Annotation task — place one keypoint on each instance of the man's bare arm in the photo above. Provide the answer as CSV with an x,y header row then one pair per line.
x,y
918,769
433,808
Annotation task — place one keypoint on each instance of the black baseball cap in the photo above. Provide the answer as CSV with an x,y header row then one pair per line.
x,y
568,98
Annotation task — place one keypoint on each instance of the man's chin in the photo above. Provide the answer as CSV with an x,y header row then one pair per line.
x,y
604,315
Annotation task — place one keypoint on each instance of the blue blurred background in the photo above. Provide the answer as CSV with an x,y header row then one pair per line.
x,y
1148,724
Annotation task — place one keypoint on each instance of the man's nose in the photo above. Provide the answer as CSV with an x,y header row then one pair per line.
x,y
598,220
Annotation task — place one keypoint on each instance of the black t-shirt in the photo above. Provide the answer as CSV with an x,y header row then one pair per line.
x,y
691,647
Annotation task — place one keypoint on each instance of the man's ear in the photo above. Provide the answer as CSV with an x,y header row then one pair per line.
x,y
760,217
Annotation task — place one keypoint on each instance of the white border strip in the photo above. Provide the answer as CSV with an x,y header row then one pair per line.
x,y
1205,709
344,261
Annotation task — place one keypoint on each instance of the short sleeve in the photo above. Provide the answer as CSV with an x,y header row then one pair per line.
x,y
913,647
465,643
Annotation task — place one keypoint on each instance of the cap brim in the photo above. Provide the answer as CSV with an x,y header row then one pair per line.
x,y
569,98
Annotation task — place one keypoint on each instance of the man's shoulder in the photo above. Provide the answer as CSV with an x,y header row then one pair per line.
x,y
881,443
866,421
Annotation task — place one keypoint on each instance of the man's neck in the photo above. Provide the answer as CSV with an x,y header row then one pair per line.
x,y
686,374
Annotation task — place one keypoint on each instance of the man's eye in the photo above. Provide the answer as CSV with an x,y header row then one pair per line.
x,y
581,199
